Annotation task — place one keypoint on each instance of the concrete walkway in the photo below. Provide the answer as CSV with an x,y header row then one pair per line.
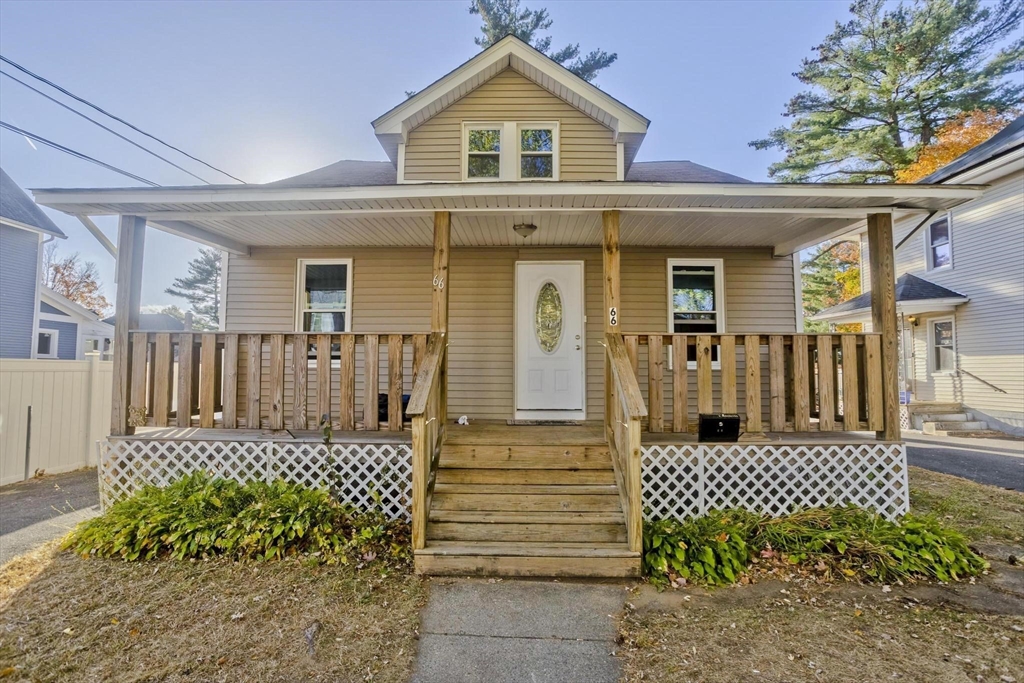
x,y
519,632
996,462
38,510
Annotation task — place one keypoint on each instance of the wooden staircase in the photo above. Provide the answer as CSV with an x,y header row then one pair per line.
x,y
526,501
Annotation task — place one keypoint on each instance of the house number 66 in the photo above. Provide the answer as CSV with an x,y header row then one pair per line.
x,y
439,282
613,316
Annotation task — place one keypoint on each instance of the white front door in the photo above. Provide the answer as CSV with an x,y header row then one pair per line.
x,y
549,340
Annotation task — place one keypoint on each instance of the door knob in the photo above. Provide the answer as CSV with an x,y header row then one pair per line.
x,y
577,347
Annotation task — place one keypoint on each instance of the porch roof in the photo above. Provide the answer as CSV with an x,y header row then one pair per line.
x,y
914,295
786,217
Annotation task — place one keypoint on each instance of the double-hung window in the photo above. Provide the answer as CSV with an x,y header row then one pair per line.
x,y
510,151
942,346
324,295
46,344
939,246
696,300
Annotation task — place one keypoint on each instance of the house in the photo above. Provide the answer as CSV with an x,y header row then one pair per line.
x,y
960,297
24,229
69,331
513,262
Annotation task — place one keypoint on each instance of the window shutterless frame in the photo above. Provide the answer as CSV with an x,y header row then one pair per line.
x,y
511,152
719,308
54,336
934,353
933,241
300,288
553,153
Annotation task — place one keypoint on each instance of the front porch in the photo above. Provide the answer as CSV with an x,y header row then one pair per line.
x,y
818,414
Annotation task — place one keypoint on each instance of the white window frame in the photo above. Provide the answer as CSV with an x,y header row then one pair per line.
x,y
932,355
509,161
54,343
928,254
300,288
719,266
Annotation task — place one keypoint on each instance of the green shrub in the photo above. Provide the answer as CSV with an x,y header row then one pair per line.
x,y
712,549
717,548
199,516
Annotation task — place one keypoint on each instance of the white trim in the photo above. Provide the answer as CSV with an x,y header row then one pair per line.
x,y
400,178
510,149
798,291
469,126
719,266
556,154
928,255
930,355
37,294
197,234
54,344
31,228
65,304
98,234
300,285
620,162
222,310
550,414
916,307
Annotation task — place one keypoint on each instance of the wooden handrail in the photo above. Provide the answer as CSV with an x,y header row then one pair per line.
x,y
625,408
428,411
622,375
428,372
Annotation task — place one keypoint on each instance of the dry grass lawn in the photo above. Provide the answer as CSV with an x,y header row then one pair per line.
x,y
63,618
800,630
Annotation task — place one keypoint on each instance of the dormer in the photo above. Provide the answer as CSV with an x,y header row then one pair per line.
x,y
510,114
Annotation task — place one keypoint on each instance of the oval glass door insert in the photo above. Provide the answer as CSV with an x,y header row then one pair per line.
x,y
548,317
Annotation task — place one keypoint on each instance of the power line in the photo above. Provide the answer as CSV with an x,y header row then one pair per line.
x,y
109,130
68,150
116,118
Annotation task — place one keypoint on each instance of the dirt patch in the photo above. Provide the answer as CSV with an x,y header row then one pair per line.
x,y
63,618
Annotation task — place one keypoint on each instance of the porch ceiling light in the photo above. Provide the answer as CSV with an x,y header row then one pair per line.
x,y
524,230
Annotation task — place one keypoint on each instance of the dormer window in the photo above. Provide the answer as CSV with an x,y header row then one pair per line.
x,y
529,152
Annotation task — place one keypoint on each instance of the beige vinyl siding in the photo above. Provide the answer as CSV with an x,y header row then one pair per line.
x,y
434,149
391,293
988,247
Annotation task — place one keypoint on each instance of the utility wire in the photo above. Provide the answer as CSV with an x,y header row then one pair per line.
x,y
116,118
68,150
109,130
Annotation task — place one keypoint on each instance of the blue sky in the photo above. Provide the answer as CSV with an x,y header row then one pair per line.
x,y
268,90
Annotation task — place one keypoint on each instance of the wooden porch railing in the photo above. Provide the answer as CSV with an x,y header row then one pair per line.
x,y
799,382
624,408
256,380
428,408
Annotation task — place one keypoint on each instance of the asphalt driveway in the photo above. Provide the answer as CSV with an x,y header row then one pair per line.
x,y
35,511
997,462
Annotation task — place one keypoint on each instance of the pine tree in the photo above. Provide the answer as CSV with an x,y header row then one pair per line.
x,y
201,288
882,84
504,17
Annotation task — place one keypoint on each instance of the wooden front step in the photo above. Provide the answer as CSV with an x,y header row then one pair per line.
x,y
450,558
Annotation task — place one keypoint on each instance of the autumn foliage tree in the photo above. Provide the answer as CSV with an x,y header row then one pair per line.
x,y
74,279
964,132
831,275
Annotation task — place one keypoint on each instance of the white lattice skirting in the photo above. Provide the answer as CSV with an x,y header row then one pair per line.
x,y
681,481
360,474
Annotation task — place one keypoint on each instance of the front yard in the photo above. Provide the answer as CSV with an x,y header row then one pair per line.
x,y
792,627
69,619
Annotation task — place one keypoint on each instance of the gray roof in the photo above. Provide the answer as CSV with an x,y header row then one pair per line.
x,y
17,206
1006,140
161,322
351,173
908,288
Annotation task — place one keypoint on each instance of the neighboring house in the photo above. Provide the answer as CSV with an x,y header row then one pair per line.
x,y
961,299
513,262
24,229
68,331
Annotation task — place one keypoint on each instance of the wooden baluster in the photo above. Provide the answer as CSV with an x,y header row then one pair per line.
x,y
163,356
655,387
347,391
195,376
876,405
276,416
137,396
371,382
801,400
230,381
634,518
705,398
851,410
254,353
632,345
395,348
727,361
323,379
419,348
752,359
184,406
207,379
776,383
680,393
300,373
826,384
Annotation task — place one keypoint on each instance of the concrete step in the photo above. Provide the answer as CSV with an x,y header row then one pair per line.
x,y
940,428
943,417
979,434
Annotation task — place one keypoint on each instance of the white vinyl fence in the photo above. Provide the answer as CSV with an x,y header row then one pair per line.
x,y
70,412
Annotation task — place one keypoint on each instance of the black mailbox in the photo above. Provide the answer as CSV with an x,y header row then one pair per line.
x,y
718,427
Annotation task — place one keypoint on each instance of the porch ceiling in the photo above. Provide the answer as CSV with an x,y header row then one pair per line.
x,y
786,217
